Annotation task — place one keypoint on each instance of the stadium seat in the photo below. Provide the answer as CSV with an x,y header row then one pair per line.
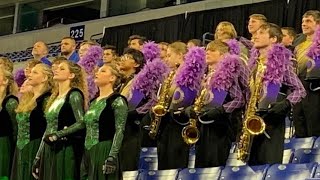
x,y
192,157
317,171
148,163
130,175
317,143
287,156
290,171
243,172
233,161
297,143
159,175
306,155
200,173
148,152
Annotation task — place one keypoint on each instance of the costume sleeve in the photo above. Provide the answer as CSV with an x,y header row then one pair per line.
x,y
237,98
76,102
293,82
120,109
11,107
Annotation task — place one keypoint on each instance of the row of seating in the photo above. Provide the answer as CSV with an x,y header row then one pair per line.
x,y
263,172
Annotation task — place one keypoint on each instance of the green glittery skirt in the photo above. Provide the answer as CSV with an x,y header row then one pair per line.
x,y
93,160
23,160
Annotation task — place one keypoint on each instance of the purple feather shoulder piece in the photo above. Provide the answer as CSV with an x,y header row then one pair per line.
x,y
193,69
227,70
314,51
89,61
150,51
278,58
148,80
19,77
234,46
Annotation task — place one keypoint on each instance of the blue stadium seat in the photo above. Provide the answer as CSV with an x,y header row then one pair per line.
x,y
148,152
243,172
317,143
297,143
148,163
233,161
200,173
130,175
306,155
290,171
159,175
317,172
287,156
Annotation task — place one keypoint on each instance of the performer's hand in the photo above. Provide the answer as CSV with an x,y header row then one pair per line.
x,y
189,111
109,166
35,167
280,108
214,114
50,138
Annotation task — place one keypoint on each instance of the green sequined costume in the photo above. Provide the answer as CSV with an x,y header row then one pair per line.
x,y
60,160
8,132
31,126
105,123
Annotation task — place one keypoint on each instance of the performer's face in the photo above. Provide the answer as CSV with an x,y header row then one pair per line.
x,y
213,56
163,51
254,25
134,44
286,39
107,56
37,76
104,76
25,87
127,62
262,39
3,80
62,73
67,46
308,25
83,50
173,58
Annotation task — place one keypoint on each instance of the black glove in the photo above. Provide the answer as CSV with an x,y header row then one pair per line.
x,y
213,114
189,112
50,139
35,167
109,166
280,108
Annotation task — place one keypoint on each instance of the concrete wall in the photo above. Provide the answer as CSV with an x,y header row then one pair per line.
x,y
21,41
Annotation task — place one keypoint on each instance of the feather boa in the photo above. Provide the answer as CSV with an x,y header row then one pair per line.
x,y
88,63
314,51
192,70
226,71
278,58
234,46
150,51
19,77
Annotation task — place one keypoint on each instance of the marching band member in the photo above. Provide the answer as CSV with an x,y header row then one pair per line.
x,y
31,120
172,150
271,69
8,128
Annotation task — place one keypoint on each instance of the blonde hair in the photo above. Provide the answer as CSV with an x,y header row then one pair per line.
x,y
12,87
27,102
8,64
260,17
115,72
227,28
79,81
178,47
218,45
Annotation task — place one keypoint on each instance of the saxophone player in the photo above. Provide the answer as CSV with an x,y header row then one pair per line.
x,y
271,66
172,151
224,95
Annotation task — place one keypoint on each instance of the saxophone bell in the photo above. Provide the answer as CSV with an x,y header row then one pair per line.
x,y
190,133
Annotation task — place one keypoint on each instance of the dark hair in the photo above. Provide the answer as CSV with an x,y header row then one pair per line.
x,y
112,48
314,13
196,42
137,56
291,31
273,30
140,38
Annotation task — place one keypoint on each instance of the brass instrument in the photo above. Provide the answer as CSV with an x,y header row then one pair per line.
x,y
161,108
190,133
253,124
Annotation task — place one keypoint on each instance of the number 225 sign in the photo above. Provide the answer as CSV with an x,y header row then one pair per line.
x,y
77,32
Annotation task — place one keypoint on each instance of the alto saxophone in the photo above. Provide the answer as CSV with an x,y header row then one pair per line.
x,y
161,108
253,124
191,133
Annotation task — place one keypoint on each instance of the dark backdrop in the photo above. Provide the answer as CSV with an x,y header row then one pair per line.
x,y
181,27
